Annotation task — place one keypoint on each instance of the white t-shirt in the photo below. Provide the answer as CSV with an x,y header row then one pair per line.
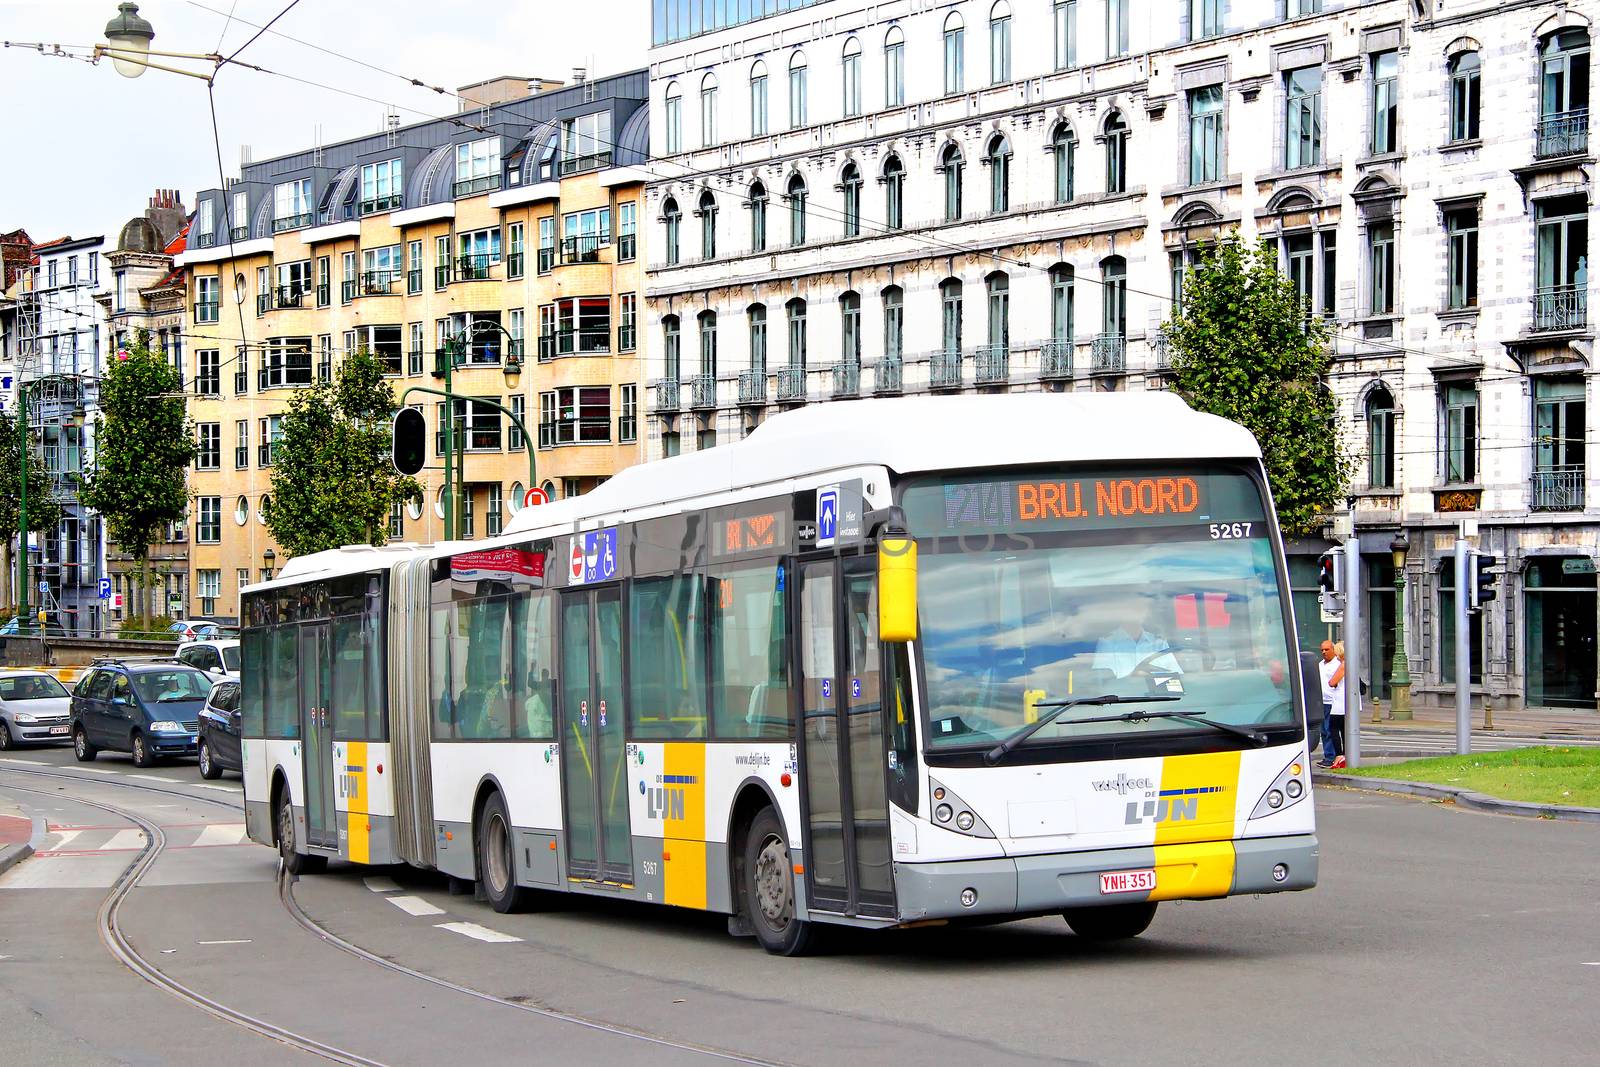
x,y
1336,693
1325,668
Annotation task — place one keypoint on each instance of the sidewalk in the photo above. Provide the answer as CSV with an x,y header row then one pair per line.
x,y
1554,724
16,832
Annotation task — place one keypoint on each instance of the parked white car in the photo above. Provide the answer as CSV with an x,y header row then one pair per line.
x,y
219,657
34,709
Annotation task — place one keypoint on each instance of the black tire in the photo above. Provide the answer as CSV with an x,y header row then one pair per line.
x,y
497,857
295,863
1113,922
5,737
769,896
208,766
82,748
139,748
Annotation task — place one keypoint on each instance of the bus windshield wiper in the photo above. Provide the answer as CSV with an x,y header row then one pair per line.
x,y
1058,707
1254,736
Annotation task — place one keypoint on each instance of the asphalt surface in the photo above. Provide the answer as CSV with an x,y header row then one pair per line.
x,y
1436,936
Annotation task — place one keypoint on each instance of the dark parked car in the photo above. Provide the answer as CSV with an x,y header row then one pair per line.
x,y
150,709
219,732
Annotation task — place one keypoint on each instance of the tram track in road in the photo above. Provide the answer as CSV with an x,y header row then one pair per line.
x,y
129,957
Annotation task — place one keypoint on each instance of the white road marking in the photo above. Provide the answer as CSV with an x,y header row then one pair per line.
x,y
1595,963
155,778
244,941
473,930
224,788
34,762
414,906
227,833
124,839
95,770
381,885
63,838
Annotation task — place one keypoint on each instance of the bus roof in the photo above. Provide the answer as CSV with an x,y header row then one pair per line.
x,y
907,435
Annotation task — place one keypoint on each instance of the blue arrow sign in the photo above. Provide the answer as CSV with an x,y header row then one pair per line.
x,y
827,517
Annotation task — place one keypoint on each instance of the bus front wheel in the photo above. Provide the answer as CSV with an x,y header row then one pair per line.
x,y
1112,922
769,888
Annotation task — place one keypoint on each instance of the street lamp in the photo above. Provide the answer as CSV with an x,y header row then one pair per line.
x,y
1399,670
130,37
268,558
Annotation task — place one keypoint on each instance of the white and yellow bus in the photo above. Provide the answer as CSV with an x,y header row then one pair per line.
x,y
879,664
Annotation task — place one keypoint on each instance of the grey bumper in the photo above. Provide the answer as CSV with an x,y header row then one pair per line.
x,y
1030,885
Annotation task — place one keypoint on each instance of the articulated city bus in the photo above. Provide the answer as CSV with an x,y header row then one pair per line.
x,y
879,664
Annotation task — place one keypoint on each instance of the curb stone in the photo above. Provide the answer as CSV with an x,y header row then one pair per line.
x,y
1465,798
12,855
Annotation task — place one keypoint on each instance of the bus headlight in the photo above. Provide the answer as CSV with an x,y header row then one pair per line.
x,y
952,813
1287,790
942,813
1274,799
965,820
1292,789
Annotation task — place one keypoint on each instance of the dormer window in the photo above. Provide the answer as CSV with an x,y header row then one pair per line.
x,y
382,186
477,166
291,205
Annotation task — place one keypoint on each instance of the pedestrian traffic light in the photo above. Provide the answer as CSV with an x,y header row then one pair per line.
x,y
410,448
1483,578
1329,580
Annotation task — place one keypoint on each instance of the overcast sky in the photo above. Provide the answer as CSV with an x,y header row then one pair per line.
x,y
84,148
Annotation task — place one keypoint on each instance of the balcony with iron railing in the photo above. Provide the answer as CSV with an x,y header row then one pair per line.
x,y
703,391
475,268
1161,351
944,369
378,282
669,395
1108,354
582,341
381,203
846,379
473,186
1562,133
1560,307
587,162
582,249
889,376
288,296
791,385
753,387
205,240
1557,488
1055,359
992,364
239,233
292,222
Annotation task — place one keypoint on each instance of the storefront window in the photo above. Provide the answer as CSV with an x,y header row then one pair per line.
x,y
1447,629
1559,595
1311,630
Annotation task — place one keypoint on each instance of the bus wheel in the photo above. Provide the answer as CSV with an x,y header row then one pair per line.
x,y
497,859
769,888
296,863
1114,922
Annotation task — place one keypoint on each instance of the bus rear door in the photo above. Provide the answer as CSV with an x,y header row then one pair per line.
x,y
316,733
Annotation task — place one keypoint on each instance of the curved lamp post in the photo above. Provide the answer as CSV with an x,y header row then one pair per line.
x,y
1399,668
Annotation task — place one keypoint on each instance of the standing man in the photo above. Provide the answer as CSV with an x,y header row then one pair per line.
x,y
1332,739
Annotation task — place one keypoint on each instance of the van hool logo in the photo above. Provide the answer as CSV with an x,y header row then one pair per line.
x,y
1171,805
1122,785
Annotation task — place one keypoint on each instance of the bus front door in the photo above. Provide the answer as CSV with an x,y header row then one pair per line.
x,y
843,744
593,752
316,736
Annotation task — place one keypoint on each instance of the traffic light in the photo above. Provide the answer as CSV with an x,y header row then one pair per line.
x,y
410,449
1330,583
1483,579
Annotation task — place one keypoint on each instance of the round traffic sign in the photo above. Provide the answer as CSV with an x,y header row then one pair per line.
x,y
533,496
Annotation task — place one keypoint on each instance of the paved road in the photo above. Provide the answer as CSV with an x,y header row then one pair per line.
x,y
1437,936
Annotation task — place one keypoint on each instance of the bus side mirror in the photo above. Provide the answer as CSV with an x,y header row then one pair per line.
x,y
897,590
1311,682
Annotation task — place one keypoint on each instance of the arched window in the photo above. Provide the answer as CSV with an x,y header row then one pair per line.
x,y
672,220
708,225
674,118
708,111
1116,138
1563,94
797,210
998,159
1064,152
1465,103
797,90
758,99
1114,297
850,183
1380,438
894,193
850,69
950,315
950,165
894,67
850,328
1000,43
671,348
997,290
795,313
757,316
708,345
894,322
758,217
954,54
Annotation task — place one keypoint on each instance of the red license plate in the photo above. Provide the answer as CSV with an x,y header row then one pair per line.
x,y
1128,881
58,731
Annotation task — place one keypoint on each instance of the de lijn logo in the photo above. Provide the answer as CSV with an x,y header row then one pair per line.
x,y
1169,805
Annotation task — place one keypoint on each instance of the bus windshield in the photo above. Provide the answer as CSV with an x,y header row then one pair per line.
x,y
1037,588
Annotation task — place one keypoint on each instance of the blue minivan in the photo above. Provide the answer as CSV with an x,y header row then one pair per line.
x,y
149,709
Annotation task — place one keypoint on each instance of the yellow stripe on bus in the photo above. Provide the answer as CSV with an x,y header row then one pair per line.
x,y
357,815
1198,797
683,846
1204,869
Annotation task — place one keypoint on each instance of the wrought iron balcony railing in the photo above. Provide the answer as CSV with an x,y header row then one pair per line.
x,y
1108,354
669,395
591,161
847,379
1560,307
378,282
944,370
1557,488
888,376
583,341
582,249
1562,133
993,364
703,391
1055,359
474,268
292,222
791,384
753,387
381,203
473,186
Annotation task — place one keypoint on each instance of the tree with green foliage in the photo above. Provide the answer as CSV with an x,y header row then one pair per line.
x,y
144,444
43,511
1246,347
332,480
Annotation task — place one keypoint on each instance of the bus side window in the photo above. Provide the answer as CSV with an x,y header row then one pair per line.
x,y
532,636
749,654
666,649
439,694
